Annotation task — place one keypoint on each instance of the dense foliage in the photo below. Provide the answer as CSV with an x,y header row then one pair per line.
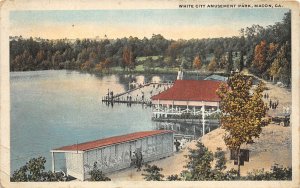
x,y
266,51
34,171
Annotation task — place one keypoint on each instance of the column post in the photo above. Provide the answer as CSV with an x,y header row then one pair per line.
x,y
172,106
203,120
187,106
53,161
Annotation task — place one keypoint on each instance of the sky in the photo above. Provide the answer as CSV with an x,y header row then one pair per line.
x,y
171,23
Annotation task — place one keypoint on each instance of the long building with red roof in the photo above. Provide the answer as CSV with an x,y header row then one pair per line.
x,y
115,153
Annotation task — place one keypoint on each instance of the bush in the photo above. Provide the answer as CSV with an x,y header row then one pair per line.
x,y
173,178
34,171
153,173
97,175
276,173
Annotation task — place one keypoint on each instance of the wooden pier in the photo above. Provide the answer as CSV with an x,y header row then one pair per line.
x,y
127,98
148,103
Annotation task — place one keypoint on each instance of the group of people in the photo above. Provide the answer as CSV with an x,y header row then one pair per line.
x,y
273,105
266,95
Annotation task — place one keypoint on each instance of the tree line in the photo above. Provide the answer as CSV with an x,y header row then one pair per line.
x,y
265,51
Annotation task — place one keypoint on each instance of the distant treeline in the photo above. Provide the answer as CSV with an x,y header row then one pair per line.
x,y
265,51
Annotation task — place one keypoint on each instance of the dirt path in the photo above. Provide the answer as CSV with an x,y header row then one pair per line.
x,y
276,93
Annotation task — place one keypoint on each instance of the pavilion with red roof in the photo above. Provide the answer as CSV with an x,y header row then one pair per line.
x,y
187,96
195,97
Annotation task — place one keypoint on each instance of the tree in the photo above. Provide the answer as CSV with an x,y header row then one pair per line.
x,y
259,64
40,56
274,69
34,171
199,164
168,61
221,159
172,50
99,67
56,59
152,173
212,66
241,61
229,66
87,66
97,175
127,57
272,52
197,64
243,111
285,65
223,62
36,167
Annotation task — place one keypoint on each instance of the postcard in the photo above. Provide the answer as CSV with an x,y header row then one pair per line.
x,y
135,93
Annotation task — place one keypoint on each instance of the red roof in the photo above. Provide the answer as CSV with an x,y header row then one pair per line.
x,y
191,90
111,140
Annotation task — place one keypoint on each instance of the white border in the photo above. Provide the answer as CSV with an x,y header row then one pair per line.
x,y
10,5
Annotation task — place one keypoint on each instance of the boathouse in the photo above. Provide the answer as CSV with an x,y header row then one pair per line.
x,y
194,97
115,153
187,96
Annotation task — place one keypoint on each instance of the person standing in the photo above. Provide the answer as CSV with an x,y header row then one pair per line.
x,y
139,159
177,144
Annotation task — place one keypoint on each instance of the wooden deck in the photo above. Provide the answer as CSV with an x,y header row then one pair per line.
x,y
139,95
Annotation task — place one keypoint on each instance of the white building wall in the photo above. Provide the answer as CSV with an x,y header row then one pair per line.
x,y
74,165
119,156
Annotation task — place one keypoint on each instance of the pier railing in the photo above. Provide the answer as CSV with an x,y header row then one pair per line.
x,y
119,98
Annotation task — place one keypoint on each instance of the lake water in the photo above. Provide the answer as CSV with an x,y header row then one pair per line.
x,y
50,109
